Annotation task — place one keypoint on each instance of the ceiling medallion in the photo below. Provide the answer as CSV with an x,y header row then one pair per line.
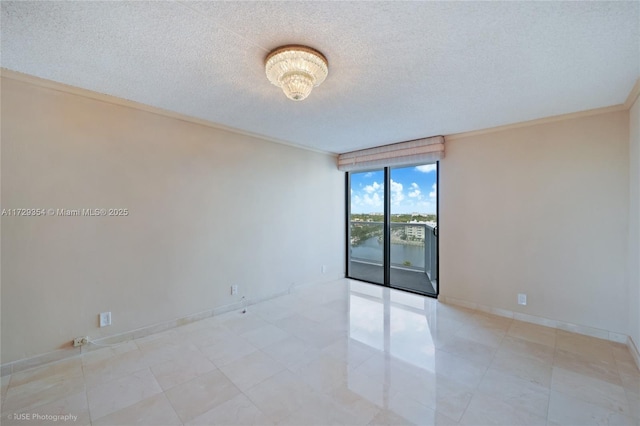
x,y
296,69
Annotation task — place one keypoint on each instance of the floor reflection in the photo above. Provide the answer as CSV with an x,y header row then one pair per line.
x,y
392,321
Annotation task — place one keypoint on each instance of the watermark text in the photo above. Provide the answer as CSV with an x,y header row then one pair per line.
x,y
43,417
62,212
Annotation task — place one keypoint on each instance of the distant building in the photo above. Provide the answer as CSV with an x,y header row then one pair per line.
x,y
415,232
418,232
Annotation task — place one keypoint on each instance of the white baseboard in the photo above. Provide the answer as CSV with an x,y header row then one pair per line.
x,y
634,351
560,325
70,351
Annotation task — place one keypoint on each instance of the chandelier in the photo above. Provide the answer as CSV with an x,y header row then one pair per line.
x,y
296,69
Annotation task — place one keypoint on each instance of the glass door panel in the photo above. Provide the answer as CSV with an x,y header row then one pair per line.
x,y
366,227
413,221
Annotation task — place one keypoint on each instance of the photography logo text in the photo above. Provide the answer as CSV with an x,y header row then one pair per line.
x,y
43,417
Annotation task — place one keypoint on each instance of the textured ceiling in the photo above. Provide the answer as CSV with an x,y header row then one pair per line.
x,y
397,70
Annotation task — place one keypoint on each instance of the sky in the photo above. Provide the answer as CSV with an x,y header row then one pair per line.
x,y
413,190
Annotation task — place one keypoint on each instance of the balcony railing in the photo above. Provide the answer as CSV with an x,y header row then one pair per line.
x,y
414,246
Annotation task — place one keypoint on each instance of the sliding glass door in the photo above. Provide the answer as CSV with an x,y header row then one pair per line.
x,y
366,226
413,222
393,223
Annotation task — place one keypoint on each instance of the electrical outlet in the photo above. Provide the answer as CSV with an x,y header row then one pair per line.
x,y
234,289
105,319
79,341
324,269
522,299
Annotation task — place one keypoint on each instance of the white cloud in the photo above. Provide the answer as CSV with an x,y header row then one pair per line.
x,y
374,201
426,168
396,192
434,191
415,191
372,188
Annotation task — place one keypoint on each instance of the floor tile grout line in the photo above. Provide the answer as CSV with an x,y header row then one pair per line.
x,y
164,392
476,389
86,390
41,404
553,362
132,404
489,367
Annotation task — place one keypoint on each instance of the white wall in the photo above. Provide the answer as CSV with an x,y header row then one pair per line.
x,y
634,223
541,210
208,208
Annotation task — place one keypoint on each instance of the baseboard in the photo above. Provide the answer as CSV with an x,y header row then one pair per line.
x,y
560,325
634,351
61,354
37,361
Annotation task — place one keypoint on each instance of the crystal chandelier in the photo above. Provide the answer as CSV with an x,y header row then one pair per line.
x,y
296,69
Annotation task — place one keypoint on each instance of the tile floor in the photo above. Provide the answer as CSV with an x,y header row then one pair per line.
x,y
338,353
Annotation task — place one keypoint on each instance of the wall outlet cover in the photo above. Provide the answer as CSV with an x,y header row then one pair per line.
x,y
105,319
522,299
79,341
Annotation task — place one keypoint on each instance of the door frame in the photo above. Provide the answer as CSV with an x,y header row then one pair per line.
x,y
386,257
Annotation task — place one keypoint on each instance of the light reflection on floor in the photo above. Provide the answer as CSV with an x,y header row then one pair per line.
x,y
392,321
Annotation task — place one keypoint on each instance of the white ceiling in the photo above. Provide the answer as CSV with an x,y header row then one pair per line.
x,y
397,70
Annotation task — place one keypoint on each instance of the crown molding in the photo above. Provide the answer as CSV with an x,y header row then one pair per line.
x,y
633,95
77,91
545,120
61,87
